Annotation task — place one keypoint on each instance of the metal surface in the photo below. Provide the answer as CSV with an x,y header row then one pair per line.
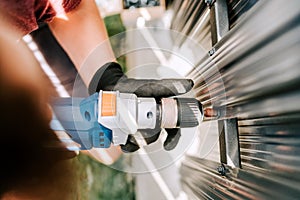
x,y
203,181
237,8
218,20
244,51
180,9
199,8
229,142
191,7
200,31
254,76
189,18
272,144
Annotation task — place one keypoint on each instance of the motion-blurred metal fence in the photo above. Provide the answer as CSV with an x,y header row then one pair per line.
x,y
252,73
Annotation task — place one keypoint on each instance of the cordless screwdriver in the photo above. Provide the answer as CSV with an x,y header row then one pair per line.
x,y
108,117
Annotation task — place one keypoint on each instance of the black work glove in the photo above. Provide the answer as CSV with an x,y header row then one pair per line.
x,y
110,77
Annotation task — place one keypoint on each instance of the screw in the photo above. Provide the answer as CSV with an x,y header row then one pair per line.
x,y
212,52
222,170
209,2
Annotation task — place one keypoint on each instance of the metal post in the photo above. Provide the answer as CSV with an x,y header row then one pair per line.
x,y
229,142
228,129
219,19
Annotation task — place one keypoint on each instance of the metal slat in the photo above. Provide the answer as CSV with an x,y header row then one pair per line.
x,y
237,8
272,143
243,81
192,6
180,11
189,18
202,178
200,7
200,31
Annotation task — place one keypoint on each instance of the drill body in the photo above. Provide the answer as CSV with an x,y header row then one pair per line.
x,y
108,117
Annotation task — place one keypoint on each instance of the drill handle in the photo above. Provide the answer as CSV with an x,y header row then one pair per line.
x,y
78,117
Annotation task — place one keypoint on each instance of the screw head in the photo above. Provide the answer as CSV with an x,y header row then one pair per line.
x,y
222,170
209,2
211,52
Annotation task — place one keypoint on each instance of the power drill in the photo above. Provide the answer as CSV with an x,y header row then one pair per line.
x,y
108,117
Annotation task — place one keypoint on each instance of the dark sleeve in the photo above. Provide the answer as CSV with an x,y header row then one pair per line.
x,y
27,14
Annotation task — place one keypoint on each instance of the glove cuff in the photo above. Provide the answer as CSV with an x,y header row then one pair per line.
x,y
106,77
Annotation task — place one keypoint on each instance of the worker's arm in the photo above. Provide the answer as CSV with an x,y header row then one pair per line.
x,y
79,32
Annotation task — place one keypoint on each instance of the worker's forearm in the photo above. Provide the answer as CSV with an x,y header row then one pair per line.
x,y
79,33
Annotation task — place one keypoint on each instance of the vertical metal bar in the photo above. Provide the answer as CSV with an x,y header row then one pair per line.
x,y
228,129
222,142
229,142
219,20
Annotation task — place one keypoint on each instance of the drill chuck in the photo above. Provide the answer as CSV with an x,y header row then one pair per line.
x,y
180,112
190,112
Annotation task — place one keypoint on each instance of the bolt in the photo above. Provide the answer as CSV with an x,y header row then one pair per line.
x,y
209,2
222,170
211,52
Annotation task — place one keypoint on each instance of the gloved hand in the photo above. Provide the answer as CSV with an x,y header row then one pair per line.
x,y
110,77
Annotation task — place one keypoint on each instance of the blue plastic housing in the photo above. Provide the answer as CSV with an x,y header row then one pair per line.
x,y
79,118
101,136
